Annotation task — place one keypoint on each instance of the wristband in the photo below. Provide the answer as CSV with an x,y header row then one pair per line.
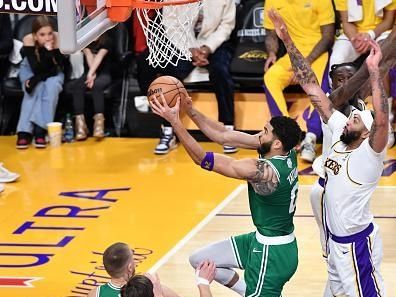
x,y
200,280
208,162
371,33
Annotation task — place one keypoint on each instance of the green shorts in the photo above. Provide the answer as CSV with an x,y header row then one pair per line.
x,y
267,266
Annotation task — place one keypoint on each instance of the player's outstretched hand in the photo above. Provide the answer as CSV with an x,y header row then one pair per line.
x,y
375,55
206,270
160,107
279,24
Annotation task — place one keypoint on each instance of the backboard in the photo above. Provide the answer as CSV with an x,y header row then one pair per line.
x,y
80,22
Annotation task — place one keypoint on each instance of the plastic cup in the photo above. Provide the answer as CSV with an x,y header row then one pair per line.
x,y
55,133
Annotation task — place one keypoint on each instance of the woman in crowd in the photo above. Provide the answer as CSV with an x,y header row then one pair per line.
x,y
41,75
96,77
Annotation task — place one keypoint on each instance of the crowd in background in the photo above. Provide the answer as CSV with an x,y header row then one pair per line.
x,y
312,26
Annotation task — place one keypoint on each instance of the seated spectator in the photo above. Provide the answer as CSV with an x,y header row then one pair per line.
x,y
96,77
311,26
361,21
212,31
6,42
150,286
41,75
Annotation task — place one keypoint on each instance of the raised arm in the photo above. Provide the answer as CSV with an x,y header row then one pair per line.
x,y
303,71
258,173
378,138
217,132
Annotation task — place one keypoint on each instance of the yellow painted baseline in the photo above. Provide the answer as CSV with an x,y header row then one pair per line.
x,y
151,202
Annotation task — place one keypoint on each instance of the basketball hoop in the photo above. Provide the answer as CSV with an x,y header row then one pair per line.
x,y
167,25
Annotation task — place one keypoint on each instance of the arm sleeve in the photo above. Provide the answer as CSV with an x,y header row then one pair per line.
x,y
366,165
325,12
267,22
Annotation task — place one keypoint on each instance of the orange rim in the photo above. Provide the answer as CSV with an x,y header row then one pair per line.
x,y
146,4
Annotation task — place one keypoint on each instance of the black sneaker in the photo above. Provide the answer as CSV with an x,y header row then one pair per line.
x,y
24,140
167,141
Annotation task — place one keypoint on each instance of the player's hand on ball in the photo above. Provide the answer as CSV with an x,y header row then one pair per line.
x,y
207,270
186,104
160,107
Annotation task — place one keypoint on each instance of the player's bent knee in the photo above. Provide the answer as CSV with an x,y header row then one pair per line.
x,y
195,259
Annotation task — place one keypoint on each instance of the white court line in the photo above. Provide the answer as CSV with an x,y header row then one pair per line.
x,y
378,187
197,228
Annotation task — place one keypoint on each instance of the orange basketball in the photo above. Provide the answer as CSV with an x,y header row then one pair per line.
x,y
170,87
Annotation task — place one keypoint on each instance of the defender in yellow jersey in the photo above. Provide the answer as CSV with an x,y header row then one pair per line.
x,y
269,254
311,25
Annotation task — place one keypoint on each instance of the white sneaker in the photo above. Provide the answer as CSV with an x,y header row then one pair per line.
x,y
7,176
226,148
308,148
167,141
141,103
1,188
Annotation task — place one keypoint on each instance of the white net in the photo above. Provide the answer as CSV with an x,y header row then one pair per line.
x,y
169,32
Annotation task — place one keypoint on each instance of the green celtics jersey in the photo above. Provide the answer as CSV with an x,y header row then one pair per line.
x,y
273,214
108,290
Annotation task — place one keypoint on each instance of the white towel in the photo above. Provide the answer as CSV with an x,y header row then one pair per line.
x,y
355,9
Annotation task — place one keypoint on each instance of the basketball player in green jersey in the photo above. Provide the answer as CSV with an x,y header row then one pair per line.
x,y
268,255
119,264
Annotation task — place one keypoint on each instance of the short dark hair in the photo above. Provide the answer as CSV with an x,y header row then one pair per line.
x,y
287,131
138,286
336,66
115,259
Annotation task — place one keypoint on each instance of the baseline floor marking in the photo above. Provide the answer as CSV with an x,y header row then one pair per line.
x,y
296,216
197,228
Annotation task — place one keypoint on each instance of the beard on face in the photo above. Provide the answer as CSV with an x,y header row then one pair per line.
x,y
264,148
349,137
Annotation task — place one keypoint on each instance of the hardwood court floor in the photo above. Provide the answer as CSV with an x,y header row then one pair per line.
x,y
72,202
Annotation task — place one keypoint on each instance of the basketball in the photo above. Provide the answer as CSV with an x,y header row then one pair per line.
x,y
170,87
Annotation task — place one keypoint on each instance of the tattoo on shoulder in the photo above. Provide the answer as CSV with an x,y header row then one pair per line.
x,y
264,181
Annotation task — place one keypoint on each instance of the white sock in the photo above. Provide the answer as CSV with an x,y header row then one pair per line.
x,y
239,287
167,130
229,127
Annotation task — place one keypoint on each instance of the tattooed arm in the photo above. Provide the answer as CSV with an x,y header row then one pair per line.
x,y
302,70
378,138
272,47
217,132
247,169
324,44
